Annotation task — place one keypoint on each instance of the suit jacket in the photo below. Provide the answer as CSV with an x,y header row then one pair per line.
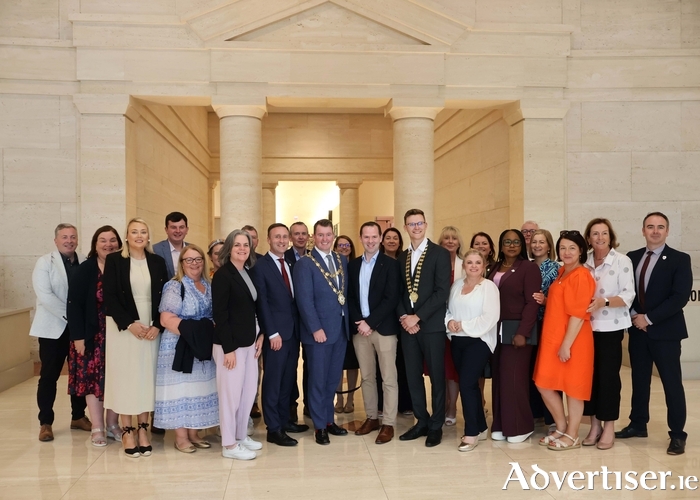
x,y
290,257
233,307
116,285
384,295
162,248
50,283
277,309
318,305
668,292
433,288
516,289
81,310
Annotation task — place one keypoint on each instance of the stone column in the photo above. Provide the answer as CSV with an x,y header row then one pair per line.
x,y
269,213
350,210
414,162
240,165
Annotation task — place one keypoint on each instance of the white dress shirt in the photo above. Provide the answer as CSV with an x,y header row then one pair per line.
x,y
613,278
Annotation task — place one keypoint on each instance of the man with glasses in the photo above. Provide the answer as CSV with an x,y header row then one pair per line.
x,y
425,275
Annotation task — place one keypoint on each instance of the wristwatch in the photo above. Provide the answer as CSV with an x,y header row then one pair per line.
x,y
607,303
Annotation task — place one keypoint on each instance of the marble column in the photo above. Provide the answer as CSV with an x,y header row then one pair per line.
x,y
269,213
350,210
414,162
240,165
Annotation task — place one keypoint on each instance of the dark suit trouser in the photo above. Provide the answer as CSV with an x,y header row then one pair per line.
x,y
607,385
279,376
470,356
666,355
325,370
431,348
53,354
511,390
294,404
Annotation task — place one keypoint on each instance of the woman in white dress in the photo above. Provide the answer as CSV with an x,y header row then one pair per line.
x,y
186,397
133,283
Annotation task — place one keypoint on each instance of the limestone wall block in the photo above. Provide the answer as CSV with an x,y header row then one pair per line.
x,y
665,176
484,71
516,11
37,63
690,125
572,124
519,44
39,175
328,166
689,228
34,19
603,177
142,35
634,72
101,131
250,66
690,24
31,226
127,6
29,121
17,288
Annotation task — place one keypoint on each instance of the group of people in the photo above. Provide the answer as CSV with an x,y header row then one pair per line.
x,y
148,330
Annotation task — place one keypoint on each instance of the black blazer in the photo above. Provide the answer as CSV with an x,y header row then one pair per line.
x,y
667,294
277,309
384,295
234,309
118,297
433,289
81,310
290,257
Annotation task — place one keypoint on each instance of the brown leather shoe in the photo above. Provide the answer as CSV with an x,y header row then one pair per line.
x,y
367,426
45,433
82,424
386,434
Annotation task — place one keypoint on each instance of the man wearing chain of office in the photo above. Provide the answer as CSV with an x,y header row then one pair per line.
x,y
320,279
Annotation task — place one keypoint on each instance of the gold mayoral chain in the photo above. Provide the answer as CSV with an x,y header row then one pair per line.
x,y
330,278
413,289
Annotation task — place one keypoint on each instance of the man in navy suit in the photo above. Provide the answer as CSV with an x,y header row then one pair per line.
x,y
320,279
279,322
664,279
170,248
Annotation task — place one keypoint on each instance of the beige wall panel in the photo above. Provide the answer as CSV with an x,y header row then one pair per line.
x,y
690,123
328,121
274,142
494,144
167,65
665,176
572,123
285,120
66,9
152,36
483,71
29,121
376,200
100,64
29,18
213,131
463,11
571,12
171,125
39,175
381,143
69,213
690,227
250,66
17,290
127,6
520,44
68,120
31,226
196,120
37,63
690,24
517,11
629,24
350,142
630,72
330,166
102,177
599,177
189,8
375,122
455,126
631,126
101,132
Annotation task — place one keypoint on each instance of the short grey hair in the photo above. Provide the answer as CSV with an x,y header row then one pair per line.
x,y
225,252
61,226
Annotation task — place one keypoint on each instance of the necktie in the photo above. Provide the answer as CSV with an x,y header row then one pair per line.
x,y
285,276
331,268
642,276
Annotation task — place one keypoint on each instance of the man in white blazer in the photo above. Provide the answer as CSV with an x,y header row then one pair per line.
x,y
50,278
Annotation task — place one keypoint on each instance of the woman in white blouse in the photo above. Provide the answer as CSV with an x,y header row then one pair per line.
x,y
614,276
472,316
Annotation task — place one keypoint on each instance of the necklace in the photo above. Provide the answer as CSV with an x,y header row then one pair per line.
x,y
330,277
413,287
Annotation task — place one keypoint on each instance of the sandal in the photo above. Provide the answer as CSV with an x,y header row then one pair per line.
x,y
144,450
339,405
349,407
130,452
98,440
115,432
551,437
559,445
449,421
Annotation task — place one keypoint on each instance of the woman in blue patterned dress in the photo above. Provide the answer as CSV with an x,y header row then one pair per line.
x,y
185,402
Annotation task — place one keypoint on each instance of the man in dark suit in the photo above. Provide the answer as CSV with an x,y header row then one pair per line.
x,y
170,248
425,272
279,321
664,279
373,294
321,289
253,236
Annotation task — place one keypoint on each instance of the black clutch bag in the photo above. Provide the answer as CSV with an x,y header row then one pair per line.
x,y
509,328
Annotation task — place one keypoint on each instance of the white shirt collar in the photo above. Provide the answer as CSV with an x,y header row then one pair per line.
x,y
323,254
421,247
274,257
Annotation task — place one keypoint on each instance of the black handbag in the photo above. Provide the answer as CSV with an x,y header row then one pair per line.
x,y
509,327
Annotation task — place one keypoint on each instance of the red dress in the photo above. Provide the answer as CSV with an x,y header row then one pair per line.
x,y
568,296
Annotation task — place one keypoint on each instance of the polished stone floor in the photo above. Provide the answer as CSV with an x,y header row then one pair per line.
x,y
351,467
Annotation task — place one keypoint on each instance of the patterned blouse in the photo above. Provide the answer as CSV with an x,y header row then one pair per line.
x,y
195,305
549,271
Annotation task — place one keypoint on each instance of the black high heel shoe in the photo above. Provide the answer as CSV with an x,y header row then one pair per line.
x,y
144,450
130,452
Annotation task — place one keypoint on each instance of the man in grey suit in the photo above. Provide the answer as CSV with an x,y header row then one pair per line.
x,y
170,248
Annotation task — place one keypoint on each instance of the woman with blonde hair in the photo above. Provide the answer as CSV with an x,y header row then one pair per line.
x,y
133,283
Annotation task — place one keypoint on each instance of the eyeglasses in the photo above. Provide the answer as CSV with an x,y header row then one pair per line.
x,y
528,231
344,245
566,233
511,243
193,260
415,224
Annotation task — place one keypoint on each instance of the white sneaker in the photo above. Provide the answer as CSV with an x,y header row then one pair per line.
x,y
520,438
249,443
498,436
238,452
251,426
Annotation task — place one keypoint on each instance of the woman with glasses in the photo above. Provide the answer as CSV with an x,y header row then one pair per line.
x,y
344,246
186,397
518,280
565,358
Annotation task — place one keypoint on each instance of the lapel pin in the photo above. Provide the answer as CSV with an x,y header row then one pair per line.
x,y
663,257
512,270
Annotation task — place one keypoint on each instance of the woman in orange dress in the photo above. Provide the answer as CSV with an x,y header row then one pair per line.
x,y
565,357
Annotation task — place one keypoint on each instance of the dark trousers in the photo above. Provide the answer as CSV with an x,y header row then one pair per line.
x,y
293,401
470,356
537,406
666,355
607,385
53,354
325,370
279,375
404,394
511,390
428,346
